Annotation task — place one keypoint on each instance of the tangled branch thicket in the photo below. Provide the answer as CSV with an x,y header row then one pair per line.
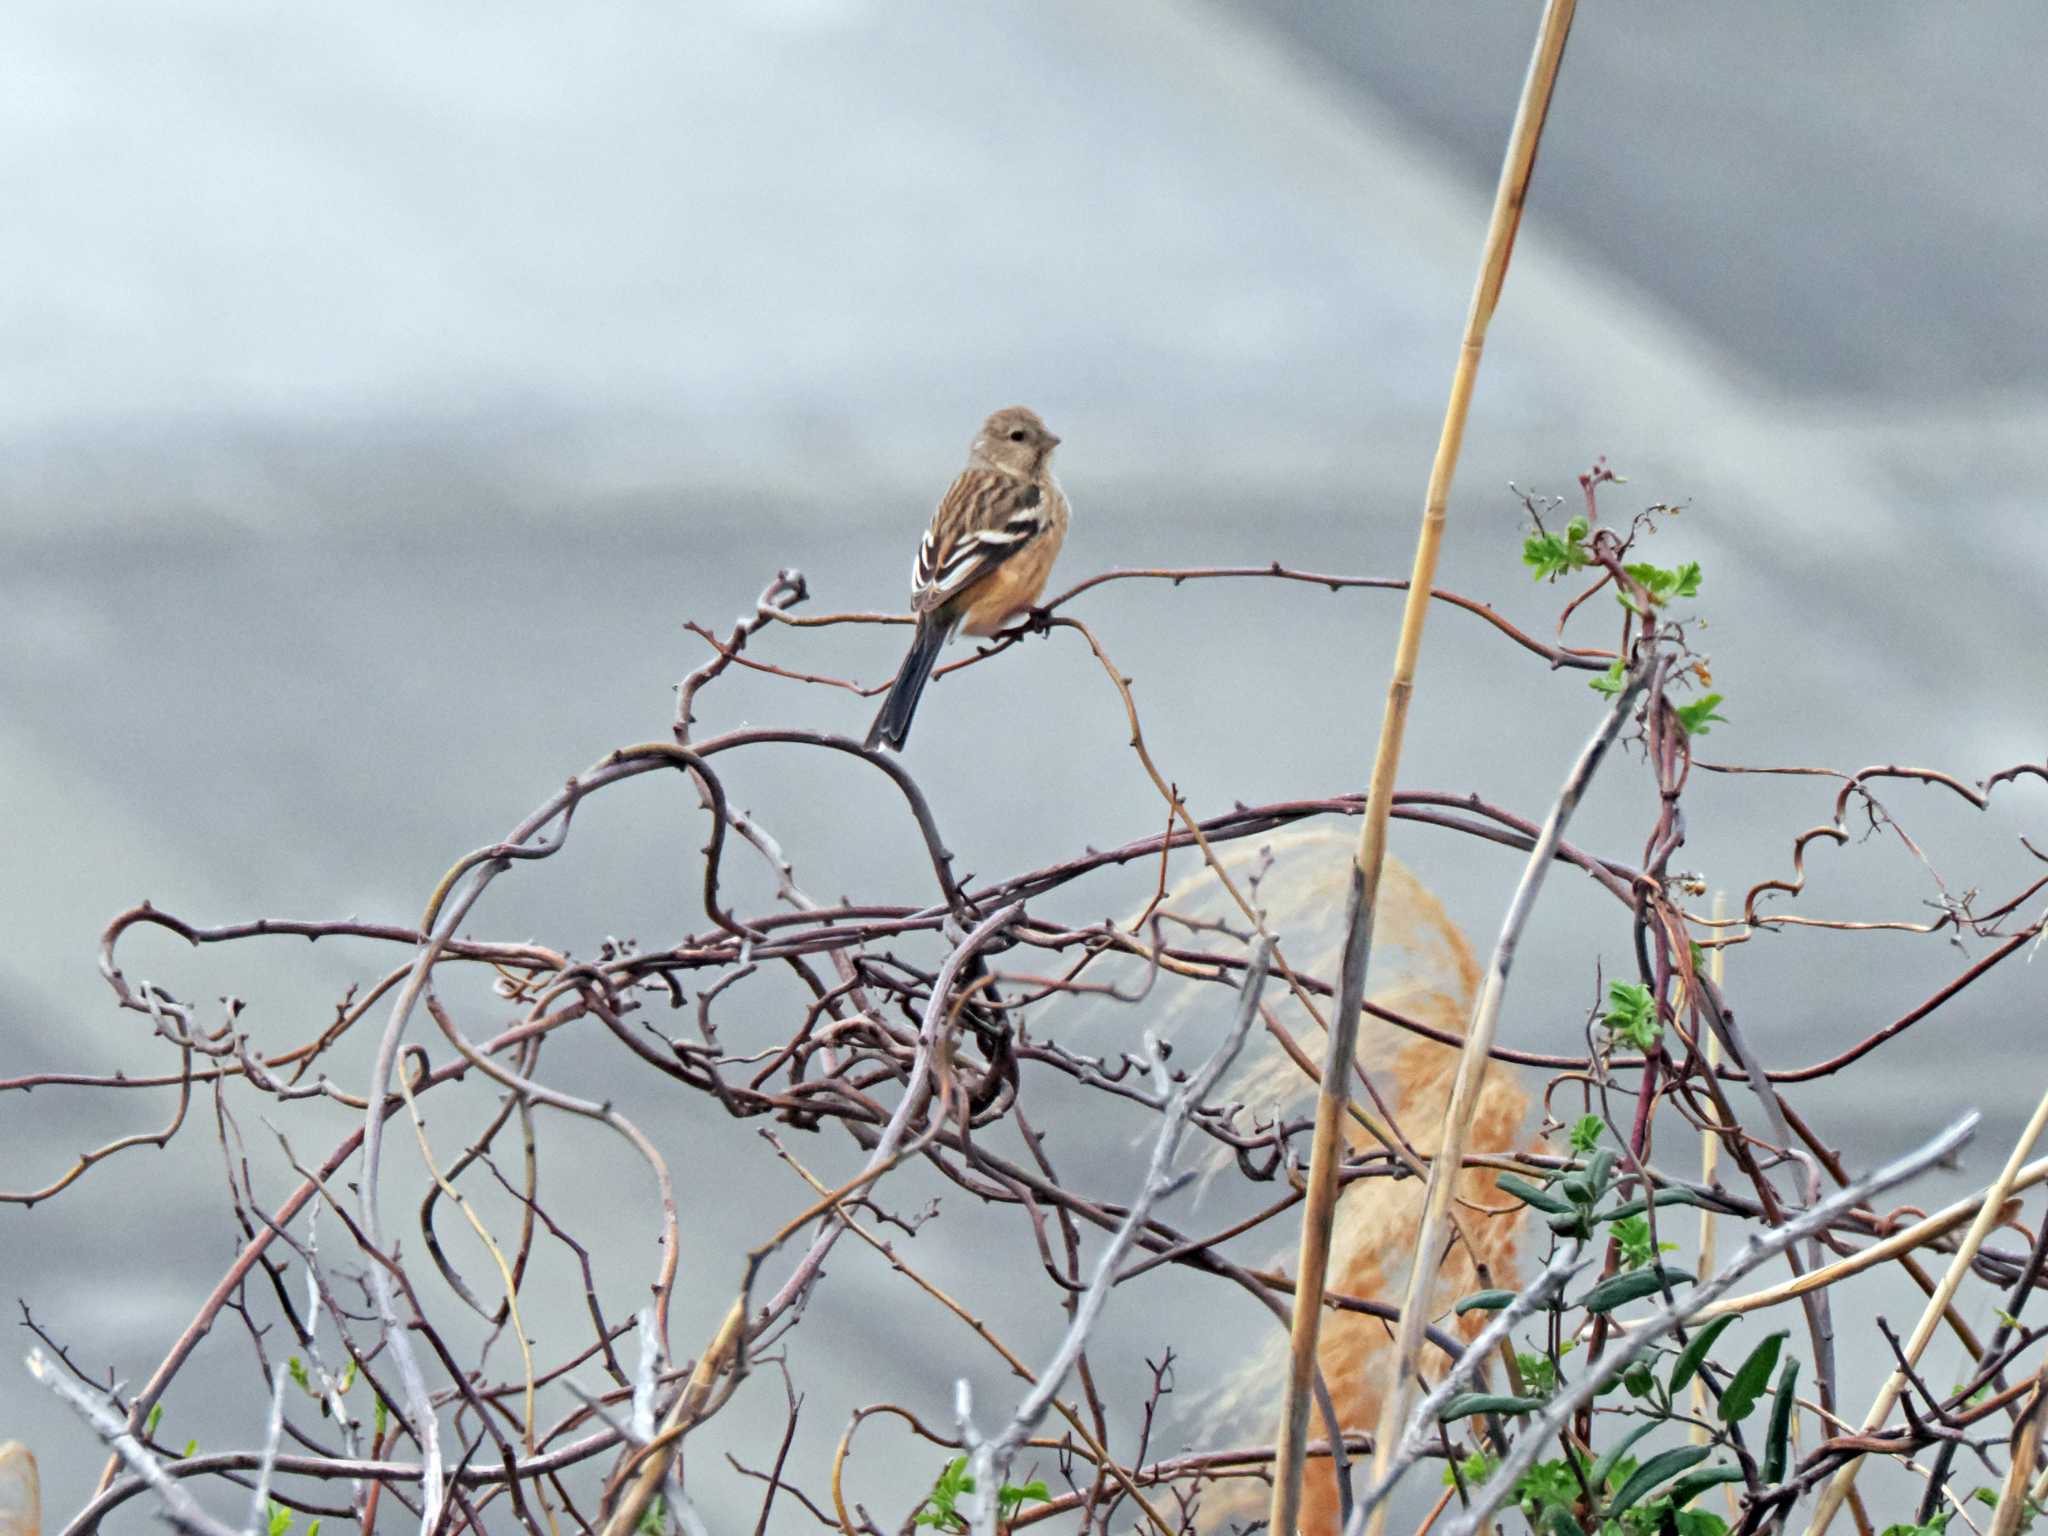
x,y
406,1385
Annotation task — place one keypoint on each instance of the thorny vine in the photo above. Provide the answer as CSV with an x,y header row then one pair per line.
x,y
940,1066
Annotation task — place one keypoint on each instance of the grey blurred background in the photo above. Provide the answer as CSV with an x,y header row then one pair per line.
x,y
382,386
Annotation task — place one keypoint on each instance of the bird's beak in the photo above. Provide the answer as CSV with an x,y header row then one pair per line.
x,y
1051,441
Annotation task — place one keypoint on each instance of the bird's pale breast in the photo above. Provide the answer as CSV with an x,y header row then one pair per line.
x,y
1014,586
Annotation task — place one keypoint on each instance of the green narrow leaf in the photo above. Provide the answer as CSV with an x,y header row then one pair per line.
x,y
1751,1377
1617,1290
1693,1484
1658,1469
1695,1352
1530,1195
1588,1186
156,1417
1573,1223
1635,1207
1611,1458
1482,1301
1465,1404
1776,1446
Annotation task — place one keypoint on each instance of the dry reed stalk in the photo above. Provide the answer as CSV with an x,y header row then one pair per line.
x,y
1988,1218
2026,1447
1473,1061
1327,1147
1710,1158
1426,969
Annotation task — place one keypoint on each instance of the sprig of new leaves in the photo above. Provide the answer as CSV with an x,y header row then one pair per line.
x,y
939,1512
1550,555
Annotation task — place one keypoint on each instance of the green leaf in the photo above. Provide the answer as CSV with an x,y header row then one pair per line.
x,y
1663,1197
1587,1132
1010,1498
1474,1469
1935,1527
1610,683
1695,1352
191,1450
297,1367
1603,1469
156,1417
1538,1373
938,1509
1657,1470
1465,1404
1697,716
1693,1484
1632,1014
1545,1484
1574,1223
1549,557
1600,1171
280,1519
1546,555
1638,1246
313,1529
1777,1444
1482,1301
654,1518
1618,1290
1530,1195
1751,1377
383,1416
1663,585
348,1375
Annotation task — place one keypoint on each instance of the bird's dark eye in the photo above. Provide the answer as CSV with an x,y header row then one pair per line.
x,y
1017,436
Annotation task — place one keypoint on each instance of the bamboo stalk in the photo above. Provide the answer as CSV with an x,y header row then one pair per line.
x,y
2026,1446
1327,1148
1988,1217
1927,1230
1710,1158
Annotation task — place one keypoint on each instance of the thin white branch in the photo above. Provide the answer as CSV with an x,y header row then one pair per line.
x,y
1762,1245
259,1497
990,1459
330,1384
1421,1432
418,1401
180,1508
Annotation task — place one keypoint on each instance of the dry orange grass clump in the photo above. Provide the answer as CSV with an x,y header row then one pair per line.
x,y
1422,966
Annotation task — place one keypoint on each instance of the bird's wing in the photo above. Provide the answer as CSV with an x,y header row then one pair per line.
x,y
984,519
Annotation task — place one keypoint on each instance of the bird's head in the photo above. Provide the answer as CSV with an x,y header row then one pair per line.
x,y
1014,441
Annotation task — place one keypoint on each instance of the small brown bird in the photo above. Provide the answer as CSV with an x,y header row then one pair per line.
x,y
985,557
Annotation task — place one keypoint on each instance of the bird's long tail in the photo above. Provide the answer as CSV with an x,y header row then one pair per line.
x,y
892,724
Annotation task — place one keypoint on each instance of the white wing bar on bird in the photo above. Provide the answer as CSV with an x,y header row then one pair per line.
x,y
973,557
